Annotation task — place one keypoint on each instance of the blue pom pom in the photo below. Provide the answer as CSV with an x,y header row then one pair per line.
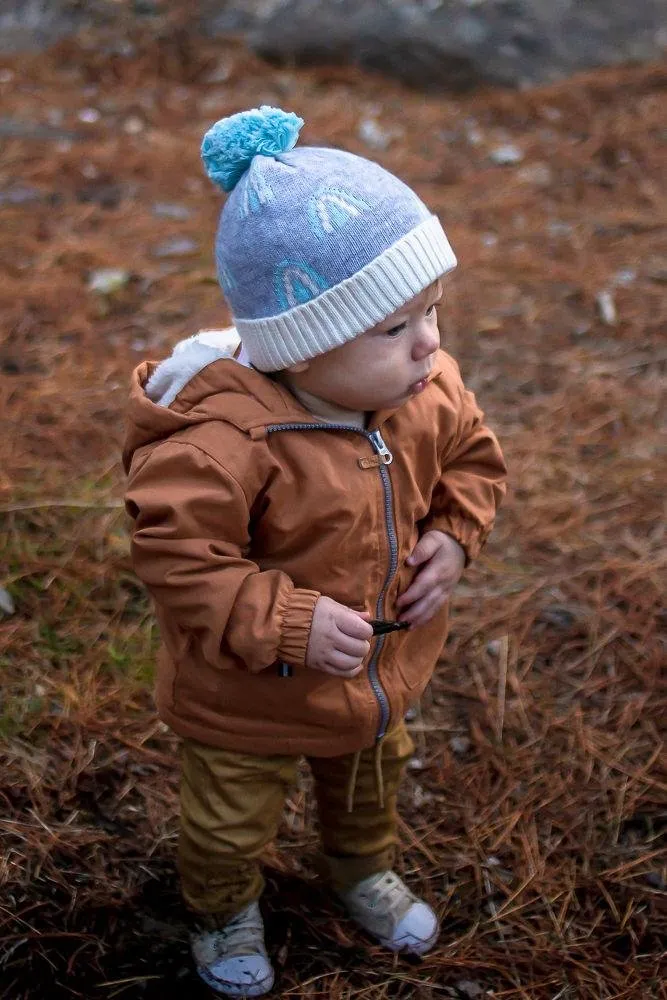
x,y
230,145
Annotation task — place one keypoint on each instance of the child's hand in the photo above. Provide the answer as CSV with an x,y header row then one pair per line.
x,y
442,560
338,639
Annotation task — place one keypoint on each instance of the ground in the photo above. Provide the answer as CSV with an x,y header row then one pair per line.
x,y
533,810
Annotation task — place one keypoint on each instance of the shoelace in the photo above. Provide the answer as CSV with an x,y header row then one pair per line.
x,y
244,935
390,890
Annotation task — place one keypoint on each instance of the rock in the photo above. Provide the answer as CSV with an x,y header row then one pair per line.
x,y
625,277
6,602
606,308
55,117
558,616
506,155
89,116
14,127
171,210
19,194
454,44
415,764
220,73
536,173
656,270
421,797
108,280
558,228
469,989
492,861
100,192
26,26
178,246
499,872
374,135
474,134
134,125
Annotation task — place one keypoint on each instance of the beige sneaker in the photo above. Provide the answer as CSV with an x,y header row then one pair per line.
x,y
384,906
233,960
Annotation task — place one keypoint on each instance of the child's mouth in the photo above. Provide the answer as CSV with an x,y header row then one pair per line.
x,y
418,387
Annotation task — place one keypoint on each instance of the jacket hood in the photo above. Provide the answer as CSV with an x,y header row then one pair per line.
x,y
207,377
188,358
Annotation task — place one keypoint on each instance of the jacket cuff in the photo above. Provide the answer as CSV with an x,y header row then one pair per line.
x,y
469,534
296,622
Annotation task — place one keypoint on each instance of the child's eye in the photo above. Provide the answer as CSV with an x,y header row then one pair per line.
x,y
431,309
395,330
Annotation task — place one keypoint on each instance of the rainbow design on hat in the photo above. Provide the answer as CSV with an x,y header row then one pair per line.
x,y
331,209
297,283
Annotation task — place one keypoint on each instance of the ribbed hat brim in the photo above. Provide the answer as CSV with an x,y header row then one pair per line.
x,y
354,305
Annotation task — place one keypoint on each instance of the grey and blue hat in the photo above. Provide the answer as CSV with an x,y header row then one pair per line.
x,y
314,245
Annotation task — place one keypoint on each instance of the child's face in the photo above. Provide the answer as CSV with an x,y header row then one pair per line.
x,y
382,367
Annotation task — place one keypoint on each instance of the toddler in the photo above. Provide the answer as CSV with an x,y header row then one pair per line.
x,y
292,480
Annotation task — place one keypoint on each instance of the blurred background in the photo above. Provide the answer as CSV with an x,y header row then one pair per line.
x,y
534,809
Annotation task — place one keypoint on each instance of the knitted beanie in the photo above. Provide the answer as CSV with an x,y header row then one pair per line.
x,y
314,246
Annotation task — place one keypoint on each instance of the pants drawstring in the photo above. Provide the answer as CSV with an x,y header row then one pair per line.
x,y
379,779
352,782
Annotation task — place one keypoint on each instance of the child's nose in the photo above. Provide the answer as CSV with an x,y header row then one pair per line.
x,y
427,340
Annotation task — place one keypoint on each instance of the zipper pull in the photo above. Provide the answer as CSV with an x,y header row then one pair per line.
x,y
380,447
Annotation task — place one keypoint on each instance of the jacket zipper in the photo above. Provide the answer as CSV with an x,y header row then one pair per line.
x,y
386,458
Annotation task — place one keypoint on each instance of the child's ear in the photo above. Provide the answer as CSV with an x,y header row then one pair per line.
x,y
298,368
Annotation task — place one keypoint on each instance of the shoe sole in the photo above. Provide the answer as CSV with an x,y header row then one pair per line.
x,y
229,989
407,949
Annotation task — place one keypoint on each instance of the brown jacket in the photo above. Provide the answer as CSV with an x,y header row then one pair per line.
x,y
246,508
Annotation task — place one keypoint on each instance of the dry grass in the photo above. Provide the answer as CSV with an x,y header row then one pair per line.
x,y
534,812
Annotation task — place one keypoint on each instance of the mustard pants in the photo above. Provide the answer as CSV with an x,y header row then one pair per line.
x,y
231,806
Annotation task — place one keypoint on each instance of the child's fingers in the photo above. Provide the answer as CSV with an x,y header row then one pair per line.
x,y
354,624
426,547
423,610
341,663
423,583
353,647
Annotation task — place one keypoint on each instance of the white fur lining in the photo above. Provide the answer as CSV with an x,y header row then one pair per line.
x,y
188,358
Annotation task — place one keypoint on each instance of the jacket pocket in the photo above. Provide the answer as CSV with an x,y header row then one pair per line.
x,y
420,650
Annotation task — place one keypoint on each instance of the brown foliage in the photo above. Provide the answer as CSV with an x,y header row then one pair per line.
x,y
534,809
